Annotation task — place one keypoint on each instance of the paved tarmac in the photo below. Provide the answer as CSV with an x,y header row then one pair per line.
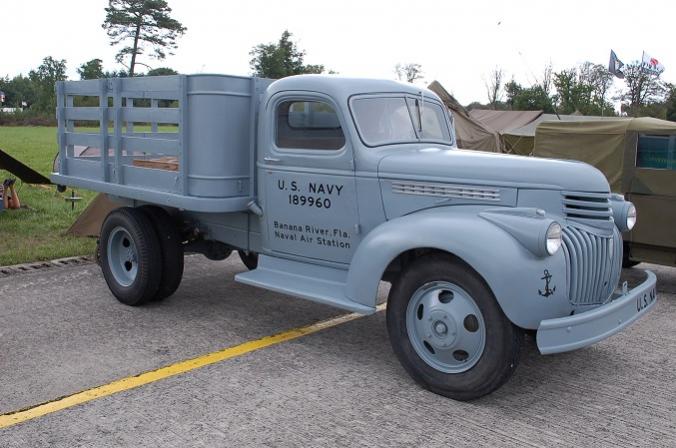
x,y
62,332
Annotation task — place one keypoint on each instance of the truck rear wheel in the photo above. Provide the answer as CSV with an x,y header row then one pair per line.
x,y
130,254
448,331
171,247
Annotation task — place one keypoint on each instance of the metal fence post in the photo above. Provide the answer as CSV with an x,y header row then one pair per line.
x,y
117,108
183,136
103,126
154,103
253,105
61,123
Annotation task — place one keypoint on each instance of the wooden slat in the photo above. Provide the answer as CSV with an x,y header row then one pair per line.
x,y
82,139
151,145
161,163
82,113
149,115
89,87
158,94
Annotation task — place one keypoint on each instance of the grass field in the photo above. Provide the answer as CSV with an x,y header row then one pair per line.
x,y
38,231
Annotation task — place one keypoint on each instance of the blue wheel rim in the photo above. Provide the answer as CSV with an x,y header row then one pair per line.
x,y
445,327
122,256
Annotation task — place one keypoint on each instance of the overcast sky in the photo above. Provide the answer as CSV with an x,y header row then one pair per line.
x,y
457,43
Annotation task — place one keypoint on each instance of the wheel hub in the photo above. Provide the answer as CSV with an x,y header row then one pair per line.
x,y
122,256
445,327
440,328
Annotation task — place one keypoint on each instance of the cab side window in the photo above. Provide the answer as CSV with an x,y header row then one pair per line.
x,y
308,125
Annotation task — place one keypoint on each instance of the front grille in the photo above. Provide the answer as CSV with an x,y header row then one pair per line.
x,y
592,207
593,264
446,190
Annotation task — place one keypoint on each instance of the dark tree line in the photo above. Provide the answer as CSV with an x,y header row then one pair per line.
x,y
586,90
35,92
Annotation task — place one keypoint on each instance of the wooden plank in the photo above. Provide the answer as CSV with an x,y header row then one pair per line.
x,y
160,163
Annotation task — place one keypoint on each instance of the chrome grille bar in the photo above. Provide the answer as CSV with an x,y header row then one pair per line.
x,y
592,272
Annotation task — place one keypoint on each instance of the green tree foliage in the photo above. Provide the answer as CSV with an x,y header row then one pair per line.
x,y
92,69
161,71
116,74
671,103
528,98
281,59
18,91
644,88
43,79
583,90
141,25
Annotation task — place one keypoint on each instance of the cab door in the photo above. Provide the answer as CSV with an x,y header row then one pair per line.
x,y
306,179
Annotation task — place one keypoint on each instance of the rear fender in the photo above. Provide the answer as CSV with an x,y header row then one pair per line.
x,y
513,273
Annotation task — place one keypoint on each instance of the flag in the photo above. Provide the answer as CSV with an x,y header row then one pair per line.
x,y
652,62
615,65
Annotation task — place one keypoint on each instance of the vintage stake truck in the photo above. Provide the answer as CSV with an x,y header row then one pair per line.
x,y
327,186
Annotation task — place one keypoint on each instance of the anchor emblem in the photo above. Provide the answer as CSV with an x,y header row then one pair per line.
x,y
548,291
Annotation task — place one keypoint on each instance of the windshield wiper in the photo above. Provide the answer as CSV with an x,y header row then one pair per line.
x,y
419,111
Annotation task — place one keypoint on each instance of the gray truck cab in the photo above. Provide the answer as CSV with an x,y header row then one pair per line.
x,y
329,185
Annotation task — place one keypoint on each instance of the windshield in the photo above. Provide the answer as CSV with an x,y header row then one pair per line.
x,y
389,120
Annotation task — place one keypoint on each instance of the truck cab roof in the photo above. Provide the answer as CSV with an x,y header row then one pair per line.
x,y
341,88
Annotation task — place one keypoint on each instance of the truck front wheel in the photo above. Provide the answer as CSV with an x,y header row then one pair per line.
x,y
250,259
448,331
130,256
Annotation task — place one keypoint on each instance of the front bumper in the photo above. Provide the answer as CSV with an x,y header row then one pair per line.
x,y
580,330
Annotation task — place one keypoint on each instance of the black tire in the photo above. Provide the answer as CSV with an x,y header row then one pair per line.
x,y
140,229
171,247
503,340
250,259
627,262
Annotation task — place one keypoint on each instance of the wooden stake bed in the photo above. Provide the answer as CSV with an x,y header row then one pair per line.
x,y
160,163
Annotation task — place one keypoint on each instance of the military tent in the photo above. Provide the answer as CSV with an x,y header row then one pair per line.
x,y
470,134
504,120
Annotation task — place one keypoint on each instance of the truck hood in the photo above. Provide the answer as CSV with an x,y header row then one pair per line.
x,y
485,168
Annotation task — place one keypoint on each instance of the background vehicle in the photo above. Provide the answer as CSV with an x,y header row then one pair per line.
x,y
638,156
328,185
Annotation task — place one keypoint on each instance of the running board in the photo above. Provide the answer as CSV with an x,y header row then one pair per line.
x,y
308,281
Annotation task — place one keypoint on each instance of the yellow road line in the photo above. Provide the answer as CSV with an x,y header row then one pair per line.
x,y
131,382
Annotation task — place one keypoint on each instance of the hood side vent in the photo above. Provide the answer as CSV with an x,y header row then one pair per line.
x,y
447,190
591,206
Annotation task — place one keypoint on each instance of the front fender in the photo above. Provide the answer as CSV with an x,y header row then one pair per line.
x,y
513,273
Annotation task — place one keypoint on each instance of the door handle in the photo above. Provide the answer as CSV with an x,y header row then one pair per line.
x,y
271,159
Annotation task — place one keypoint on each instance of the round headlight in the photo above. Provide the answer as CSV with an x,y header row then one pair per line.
x,y
553,242
631,216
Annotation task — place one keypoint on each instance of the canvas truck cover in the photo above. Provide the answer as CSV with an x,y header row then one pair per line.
x,y
470,134
504,120
522,140
608,144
